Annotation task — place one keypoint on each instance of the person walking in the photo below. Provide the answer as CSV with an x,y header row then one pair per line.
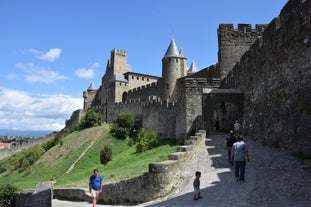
x,y
196,186
95,186
240,154
229,141
237,128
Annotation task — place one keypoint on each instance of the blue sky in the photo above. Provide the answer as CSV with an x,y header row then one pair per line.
x,y
51,51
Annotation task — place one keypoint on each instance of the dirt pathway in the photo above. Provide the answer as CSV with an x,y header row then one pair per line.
x,y
82,154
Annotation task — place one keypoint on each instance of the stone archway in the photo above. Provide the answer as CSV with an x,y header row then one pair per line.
x,y
226,113
222,106
124,97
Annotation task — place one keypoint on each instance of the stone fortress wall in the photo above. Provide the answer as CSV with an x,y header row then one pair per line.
x,y
274,76
273,72
268,88
6,152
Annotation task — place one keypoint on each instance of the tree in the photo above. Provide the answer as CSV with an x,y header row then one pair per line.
x,y
146,140
7,195
105,155
91,119
123,125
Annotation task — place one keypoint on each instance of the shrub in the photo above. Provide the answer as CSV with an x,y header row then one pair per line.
x,y
7,195
21,161
91,119
146,140
123,125
48,144
105,155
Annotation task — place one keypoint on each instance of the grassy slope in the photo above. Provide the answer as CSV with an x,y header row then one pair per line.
x,y
55,163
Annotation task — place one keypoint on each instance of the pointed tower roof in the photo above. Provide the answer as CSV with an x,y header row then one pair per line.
x,y
181,53
193,68
91,87
172,50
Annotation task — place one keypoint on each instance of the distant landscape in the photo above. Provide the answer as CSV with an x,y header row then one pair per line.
x,y
24,133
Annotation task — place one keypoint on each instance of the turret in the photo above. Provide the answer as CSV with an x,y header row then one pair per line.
x,y
88,96
192,69
118,61
174,66
233,43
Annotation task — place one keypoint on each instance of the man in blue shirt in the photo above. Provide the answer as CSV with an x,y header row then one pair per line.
x,y
95,186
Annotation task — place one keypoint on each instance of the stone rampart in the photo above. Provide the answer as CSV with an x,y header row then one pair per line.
x,y
6,152
212,74
277,108
40,197
160,179
143,92
160,116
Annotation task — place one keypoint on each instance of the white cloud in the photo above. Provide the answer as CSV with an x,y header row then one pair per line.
x,y
51,55
32,51
87,73
95,65
20,110
37,74
12,76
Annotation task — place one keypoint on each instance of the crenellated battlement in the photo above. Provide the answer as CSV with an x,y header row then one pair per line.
x,y
234,42
242,28
144,87
118,51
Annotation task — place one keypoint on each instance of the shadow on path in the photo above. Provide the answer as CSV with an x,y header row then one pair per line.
x,y
219,187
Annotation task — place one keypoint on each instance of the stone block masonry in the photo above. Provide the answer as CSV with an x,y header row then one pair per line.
x,y
274,76
40,197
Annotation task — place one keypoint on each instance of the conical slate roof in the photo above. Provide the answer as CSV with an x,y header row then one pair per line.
x,y
181,53
91,87
193,68
172,50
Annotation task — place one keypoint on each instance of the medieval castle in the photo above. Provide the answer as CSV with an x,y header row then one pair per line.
x,y
260,80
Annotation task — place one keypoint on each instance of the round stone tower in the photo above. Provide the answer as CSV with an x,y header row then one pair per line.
x,y
174,66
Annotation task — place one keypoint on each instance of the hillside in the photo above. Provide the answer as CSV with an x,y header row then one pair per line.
x,y
72,163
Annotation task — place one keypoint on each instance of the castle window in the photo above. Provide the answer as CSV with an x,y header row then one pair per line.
x,y
132,77
244,30
142,78
167,86
137,77
148,79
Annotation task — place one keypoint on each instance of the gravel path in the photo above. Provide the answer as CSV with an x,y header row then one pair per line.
x,y
273,178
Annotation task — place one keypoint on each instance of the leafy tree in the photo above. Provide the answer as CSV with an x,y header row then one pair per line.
x,y
123,125
7,195
91,119
105,155
146,140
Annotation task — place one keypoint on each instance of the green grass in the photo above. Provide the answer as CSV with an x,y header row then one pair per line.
x,y
125,163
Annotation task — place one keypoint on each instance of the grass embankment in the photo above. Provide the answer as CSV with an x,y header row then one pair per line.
x,y
73,162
